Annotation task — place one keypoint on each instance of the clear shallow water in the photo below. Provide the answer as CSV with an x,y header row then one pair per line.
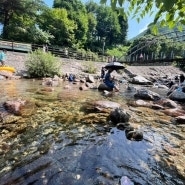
x,y
62,144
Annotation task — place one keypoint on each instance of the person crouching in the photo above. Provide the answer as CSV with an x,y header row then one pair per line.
x,y
109,80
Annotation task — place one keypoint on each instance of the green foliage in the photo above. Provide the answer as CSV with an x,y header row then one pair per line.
x,y
77,13
172,11
70,23
18,8
41,64
157,47
118,52
89,67
105,26
26,31
56,21
108,26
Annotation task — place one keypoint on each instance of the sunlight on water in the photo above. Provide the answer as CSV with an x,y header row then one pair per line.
x,y
59,142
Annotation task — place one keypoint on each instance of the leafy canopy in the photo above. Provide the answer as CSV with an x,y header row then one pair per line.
x,y
169,12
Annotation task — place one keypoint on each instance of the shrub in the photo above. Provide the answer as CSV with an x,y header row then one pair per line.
x,y
41,64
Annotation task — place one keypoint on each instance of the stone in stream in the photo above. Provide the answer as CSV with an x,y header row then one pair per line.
x,y
102,105
119,115
126,181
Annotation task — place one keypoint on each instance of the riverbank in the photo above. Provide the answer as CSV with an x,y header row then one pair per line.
x,y
17,60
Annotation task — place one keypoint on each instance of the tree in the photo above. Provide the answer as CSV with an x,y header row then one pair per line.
x,y
77,13
91,7
16,8
121,38
169,12
56,21
108,26
91,34
25,29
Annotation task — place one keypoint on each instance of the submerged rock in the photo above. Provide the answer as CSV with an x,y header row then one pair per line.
x,y
106,104
19,107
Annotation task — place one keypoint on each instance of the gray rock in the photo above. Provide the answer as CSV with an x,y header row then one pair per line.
x,y
119,115
177,96
147,95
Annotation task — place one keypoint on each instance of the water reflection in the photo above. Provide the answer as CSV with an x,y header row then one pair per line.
x,y
55,147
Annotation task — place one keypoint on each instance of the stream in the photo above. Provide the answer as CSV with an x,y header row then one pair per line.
x,y
61,142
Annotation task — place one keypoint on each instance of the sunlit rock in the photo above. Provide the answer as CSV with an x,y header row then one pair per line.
x,y
2,77
166,103
90,79
126,181
147,95
89,85
8,118
140,80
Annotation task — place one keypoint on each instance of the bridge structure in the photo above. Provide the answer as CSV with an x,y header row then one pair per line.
x,y
137,55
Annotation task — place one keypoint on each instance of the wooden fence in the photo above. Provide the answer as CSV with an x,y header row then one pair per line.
x,y
59,52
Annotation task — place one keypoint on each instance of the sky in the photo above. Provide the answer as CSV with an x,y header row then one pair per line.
x,y
134,28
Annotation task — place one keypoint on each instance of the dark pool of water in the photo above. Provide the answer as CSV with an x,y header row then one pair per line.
x,y
68,151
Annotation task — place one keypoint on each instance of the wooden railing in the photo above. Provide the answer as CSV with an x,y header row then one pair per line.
x,y
59,52
15,46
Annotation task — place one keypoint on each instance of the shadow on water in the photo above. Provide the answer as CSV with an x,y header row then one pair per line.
x,y
57,146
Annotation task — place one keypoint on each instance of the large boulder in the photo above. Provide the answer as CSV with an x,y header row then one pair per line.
x,y
140,80
147,95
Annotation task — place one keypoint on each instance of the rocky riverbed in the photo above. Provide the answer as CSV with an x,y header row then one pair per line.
x,y
54,136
